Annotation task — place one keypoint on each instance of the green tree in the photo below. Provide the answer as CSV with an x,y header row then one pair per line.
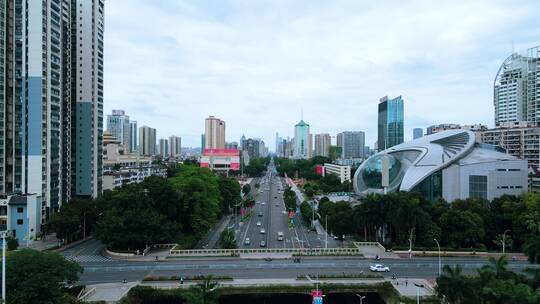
x,y
340,220
36,277
454,286
229,188
461,228
246,189
204,292
532,249
12,243
227,239
73,217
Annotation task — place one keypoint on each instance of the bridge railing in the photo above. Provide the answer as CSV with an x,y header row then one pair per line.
x,y
293,251
370,244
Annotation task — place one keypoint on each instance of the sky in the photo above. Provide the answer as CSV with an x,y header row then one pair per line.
x,y
262,65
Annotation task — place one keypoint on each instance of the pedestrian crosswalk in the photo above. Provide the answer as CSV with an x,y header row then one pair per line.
x,y
88,258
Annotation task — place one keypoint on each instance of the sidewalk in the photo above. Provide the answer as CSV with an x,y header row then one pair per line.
x,y
111,292
108,292
406,287
212,238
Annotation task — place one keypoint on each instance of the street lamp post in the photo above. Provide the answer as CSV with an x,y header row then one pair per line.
x,y
439,246
3,267
360,298
503,239
326,232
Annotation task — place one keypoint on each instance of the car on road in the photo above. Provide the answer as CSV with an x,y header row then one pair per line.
x,y
280,236
247,241
379,268
262,244
263,203
258,224
260,214
275,197
263,231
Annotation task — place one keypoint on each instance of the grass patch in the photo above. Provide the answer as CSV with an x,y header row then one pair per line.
x,y
196,278
342,276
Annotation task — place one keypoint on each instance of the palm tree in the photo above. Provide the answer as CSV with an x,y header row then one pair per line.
x,y
532,249
453,285
203,292
497,266
535,273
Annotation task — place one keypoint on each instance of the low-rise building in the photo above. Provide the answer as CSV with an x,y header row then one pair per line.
x,y
129,175
21,216
220,159
342,172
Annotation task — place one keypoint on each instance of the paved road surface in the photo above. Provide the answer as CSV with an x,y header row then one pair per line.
x,y
102,272
270,212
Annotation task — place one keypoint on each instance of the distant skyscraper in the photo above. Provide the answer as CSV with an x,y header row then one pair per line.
x,y
352,144
175,146
214,133
147,141
322,144
302,142
203,143
516,94
164,147
417,133
253,147
51,99
119,127
133,136
390,124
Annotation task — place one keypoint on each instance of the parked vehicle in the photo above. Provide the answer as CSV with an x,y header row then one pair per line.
x,y
247,241
263,244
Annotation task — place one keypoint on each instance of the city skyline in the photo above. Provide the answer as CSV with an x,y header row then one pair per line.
x,y
279,67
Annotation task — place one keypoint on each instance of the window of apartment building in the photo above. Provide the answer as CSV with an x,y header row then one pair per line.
x,y
19,222
478,186
20,210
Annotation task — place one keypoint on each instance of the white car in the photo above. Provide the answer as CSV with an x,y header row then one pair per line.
x,y
263,231
379,268
258,224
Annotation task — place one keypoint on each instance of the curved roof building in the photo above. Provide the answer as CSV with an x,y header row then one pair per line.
x,y
447,164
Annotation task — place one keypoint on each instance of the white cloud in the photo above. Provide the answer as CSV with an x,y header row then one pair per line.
x,y
256,64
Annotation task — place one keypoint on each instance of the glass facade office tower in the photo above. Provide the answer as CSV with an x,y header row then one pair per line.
x,y
119,127
516,89
302,141
51,99
390,123
133,136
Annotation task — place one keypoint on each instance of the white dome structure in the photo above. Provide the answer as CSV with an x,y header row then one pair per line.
x,y
447,165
